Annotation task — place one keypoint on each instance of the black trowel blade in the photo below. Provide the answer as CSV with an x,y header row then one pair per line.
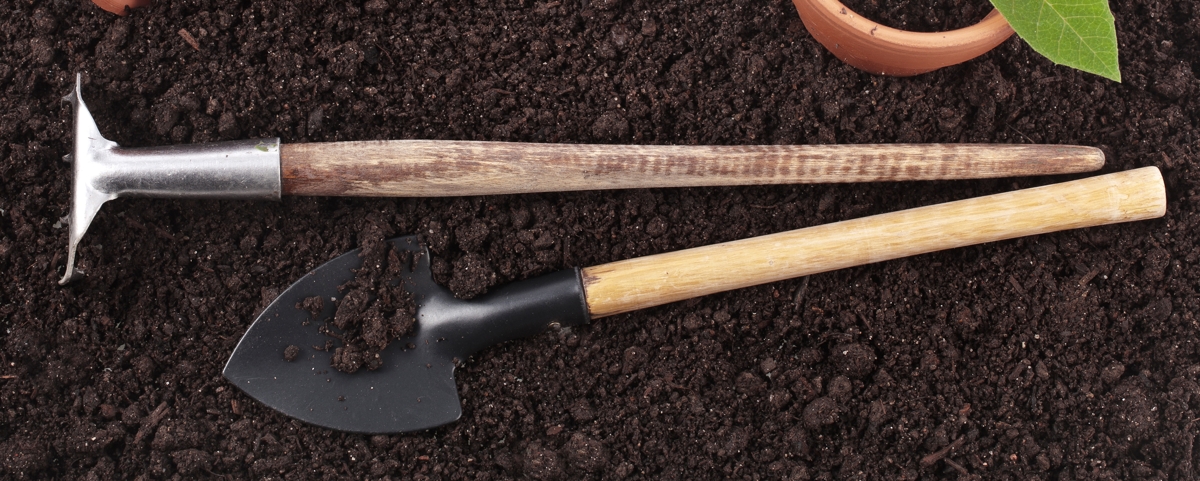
x,y
413,390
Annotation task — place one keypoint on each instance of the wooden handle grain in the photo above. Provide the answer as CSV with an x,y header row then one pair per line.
x,y
430,168
633,284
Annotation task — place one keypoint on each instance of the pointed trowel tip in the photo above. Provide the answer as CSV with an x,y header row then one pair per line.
x,y
413,390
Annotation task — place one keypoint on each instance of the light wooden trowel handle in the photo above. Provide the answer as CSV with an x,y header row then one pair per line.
x,y
432,168
628,285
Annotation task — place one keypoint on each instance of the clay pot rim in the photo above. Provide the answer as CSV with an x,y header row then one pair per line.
x,y
118,6
880,49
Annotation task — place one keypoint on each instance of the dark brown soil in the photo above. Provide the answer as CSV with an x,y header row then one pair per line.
x,y
922,15
1064,356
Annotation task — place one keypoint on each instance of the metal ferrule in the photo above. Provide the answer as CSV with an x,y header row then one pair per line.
x,y
241,169
103,170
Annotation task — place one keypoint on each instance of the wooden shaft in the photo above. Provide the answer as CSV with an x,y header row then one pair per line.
x,y
633,284
430,168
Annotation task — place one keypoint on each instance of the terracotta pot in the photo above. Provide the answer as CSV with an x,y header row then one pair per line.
x,y
884,50
118,6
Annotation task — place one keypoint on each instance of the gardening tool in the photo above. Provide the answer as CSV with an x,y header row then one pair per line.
x,y
265,169
414,388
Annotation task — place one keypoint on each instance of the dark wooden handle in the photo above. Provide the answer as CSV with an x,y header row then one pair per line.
x,y
430,168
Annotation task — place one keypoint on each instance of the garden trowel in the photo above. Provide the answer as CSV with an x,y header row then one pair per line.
x,y
268,169
284,358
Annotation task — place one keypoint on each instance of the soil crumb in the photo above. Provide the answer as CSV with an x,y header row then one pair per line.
x,y
290,353
314,305
374,309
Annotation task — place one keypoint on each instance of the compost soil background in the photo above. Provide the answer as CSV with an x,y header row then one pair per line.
x,y
1062,356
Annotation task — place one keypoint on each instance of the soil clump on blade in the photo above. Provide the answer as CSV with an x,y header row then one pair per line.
x,y
375,308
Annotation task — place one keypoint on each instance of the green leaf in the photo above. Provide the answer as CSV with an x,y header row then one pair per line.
x,y
1076,33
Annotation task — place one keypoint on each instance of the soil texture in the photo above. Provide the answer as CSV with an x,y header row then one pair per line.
x,y
921,15
1063,356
